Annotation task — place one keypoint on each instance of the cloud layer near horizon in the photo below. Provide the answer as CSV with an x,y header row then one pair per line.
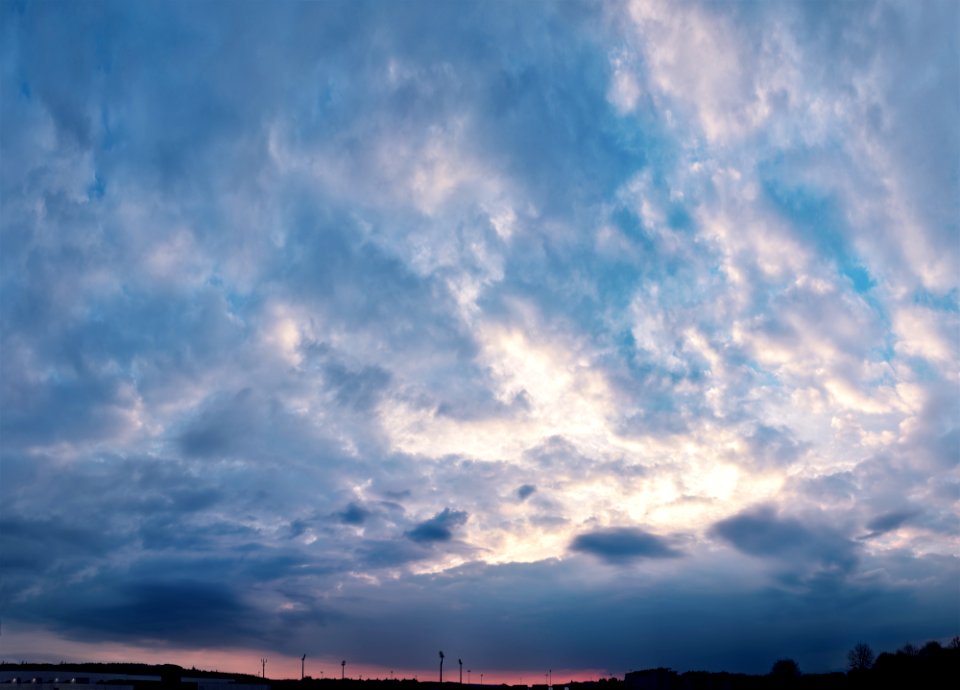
x,y
548,333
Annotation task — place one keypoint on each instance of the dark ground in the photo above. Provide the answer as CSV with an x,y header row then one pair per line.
x,y
928,668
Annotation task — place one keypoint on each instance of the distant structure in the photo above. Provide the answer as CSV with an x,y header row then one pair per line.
x,y
460,661
343,669
302,661
441,665
263,667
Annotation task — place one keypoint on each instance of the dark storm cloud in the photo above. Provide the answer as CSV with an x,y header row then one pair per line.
x,y
708,616
353,514
39,544
439,528
149,610
763,532
160,610
525,491
623,544
195,592
889,522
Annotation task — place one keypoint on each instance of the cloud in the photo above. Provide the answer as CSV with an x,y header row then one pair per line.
x,y
279,283
772,446
27,541
525,491
622,545
146,610
353,514
439,528
888,522
764,533
357,389
697,57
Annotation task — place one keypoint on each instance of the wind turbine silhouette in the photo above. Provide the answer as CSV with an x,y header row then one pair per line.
x,y
441,665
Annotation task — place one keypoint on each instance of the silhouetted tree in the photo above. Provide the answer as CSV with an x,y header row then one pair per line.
x,y
785,668
907,650
860,658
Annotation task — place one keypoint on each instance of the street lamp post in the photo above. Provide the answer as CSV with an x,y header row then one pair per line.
x,y
441,665
343,669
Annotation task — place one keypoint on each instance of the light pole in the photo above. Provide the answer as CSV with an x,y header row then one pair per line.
x,y
460,661
550,681
481,677
343,669
441,665
302,659
263,667
468,677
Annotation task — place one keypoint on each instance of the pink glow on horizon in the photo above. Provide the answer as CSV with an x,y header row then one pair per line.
x,y
41,647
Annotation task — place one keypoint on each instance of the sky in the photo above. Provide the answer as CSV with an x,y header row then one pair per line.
x,y
571,336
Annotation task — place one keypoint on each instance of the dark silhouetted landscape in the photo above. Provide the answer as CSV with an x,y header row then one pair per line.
x,y
930,667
